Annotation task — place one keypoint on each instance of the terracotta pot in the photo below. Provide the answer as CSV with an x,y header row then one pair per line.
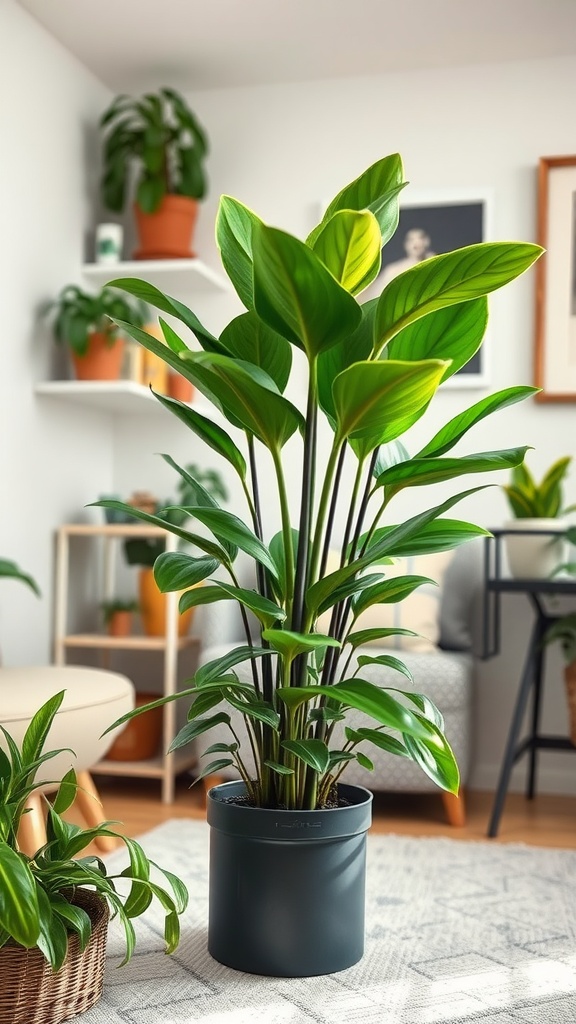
x,y
153,607
120,624
141,738
102,361
168,232
179,387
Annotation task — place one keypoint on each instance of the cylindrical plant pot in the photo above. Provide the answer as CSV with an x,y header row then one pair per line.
x,y
30,992
179,387
103,359
287,888
120,623
168,232
152,603
534,555
570,683
141,737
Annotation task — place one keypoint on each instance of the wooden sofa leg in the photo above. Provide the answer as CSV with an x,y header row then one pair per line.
x,y
32,830
90,806
454,808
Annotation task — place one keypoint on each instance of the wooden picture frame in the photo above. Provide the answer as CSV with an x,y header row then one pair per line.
x,y
555,320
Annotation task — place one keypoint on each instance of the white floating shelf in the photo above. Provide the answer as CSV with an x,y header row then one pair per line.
x,y
177,277
124,397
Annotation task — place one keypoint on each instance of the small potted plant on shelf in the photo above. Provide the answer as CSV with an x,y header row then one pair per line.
x,y
288,841
158,136
54,904
535,537
83,321
118,613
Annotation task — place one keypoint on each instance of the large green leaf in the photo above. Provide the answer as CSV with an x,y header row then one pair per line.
x,y
297,296
10,569
265,611
454,277
378,397
454,332
195,728
250,396
248,338
290,644
213,670
165,524
389,591
350,246
19,913
387,661
39,727
154,297
314,753
353,349
175,570
377,190
209,432
439,535
228,527
234,227
436,758
457,427
418,472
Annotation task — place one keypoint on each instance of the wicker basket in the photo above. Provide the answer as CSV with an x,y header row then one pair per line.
x,y
30,992
570,681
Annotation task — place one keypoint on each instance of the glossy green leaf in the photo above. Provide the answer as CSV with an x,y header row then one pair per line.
x,y
454,332
221,748
10,569
280,769
212,670
436,759
251,397
389,591
228,527
74,917
439,535
349,245
314,753
457,427
39,727
297,296
348,589
364,761
382,740
260,710
53,938
19,912
234,228
212,434
376,189
367,636
200,596
454,277
66,793
154,297
418,472
213,768
379,397
175,570
290,644
248,338
353,349
265,611
388,661
196,727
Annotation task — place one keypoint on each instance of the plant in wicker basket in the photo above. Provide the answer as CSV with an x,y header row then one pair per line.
x,y
54,906
564,631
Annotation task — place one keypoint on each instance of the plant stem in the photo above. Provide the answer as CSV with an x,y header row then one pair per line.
x,y
307,498
286,531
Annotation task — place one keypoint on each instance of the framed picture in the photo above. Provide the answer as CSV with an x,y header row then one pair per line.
x,y
430,224
555,342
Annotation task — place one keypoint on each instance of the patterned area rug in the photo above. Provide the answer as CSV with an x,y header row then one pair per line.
x,y
456,932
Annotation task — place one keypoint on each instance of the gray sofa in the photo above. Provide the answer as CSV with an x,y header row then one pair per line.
x,y
446,675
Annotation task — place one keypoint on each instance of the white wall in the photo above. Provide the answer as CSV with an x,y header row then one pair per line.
x,y
53,458
283,150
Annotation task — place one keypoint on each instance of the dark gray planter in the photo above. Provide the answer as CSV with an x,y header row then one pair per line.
x,y
287,888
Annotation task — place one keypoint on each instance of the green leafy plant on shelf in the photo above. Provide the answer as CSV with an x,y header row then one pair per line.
x,y
37,892
159,136
78,314
529,499
117,604
373,369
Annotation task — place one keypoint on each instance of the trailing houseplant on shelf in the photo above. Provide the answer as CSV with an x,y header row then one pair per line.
x,y
118,613
54,904
158,135
85,322
535,537
292,831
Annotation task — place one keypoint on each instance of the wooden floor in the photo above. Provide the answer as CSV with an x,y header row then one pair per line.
x,y
545,821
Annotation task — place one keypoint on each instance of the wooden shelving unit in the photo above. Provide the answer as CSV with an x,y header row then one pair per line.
x,y
173,276
168,647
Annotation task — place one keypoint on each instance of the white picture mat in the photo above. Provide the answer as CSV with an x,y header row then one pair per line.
x,y
559,319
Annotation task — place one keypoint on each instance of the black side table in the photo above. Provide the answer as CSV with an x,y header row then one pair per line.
x,y
531,680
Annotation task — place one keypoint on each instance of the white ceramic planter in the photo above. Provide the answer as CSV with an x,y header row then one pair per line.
x,y
537,554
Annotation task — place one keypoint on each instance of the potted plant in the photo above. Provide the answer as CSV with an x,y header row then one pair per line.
x,y
535,537
117,613
54,904
564,632
143,551
85,323
158,136
288,841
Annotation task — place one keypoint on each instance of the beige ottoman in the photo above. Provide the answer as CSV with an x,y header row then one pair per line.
x,y
93,699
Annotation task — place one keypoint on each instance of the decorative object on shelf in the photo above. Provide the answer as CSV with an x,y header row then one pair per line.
x,y
302,293
109,239
53,925
118,614
555,369
85,323
160,136
564,632
142,737
532,549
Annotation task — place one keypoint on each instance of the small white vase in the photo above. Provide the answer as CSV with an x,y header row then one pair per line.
x,y
537,554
